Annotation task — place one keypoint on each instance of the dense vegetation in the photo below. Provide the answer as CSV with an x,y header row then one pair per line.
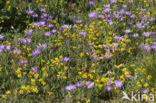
x,y
77,51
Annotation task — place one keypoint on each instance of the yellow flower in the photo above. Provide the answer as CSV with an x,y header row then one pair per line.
x,y
4,96
64,77
149,77
8,92
49,93
21,92
33,80
88,101
146,84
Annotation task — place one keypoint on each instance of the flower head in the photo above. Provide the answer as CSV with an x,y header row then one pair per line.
x,y
89,84
29,32
64,59
79,84
36,52
145,91
47,34
127,31
91,3
113,1
118,84
34,69
108,88
25,61
42,46
70,87
42,9
92,15
16,51
1,37
30,12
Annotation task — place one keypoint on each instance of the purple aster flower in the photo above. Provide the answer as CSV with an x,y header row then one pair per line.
x,y
127,13
132,16
50,17
110,22
142,9
52,47
1,47
78,21
91,3
145,47
74,17
91,44
151,20
117,16
136,35
36,52
70,87
25,61
42,46
46,34
67,42
100,17
146,34
1,37
44,15
53,31
67,96
145,91
118,84
60,29
107,5
107,55
42,22
35,15
80,42
89,84
107,10
36,24
50,25
88,51
124,6
29,32
127,31
116,37
66,26
16,51
154,47
108,88
128,76
79,84
140,25
30,12
26,40
7,47
63,14
148,48
113,1
95,57
34,69
82,33
130,1
64,59
92,15
42,9
122,19
122,11
109,82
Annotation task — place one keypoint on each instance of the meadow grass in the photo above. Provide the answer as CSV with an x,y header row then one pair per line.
x,y
67,51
